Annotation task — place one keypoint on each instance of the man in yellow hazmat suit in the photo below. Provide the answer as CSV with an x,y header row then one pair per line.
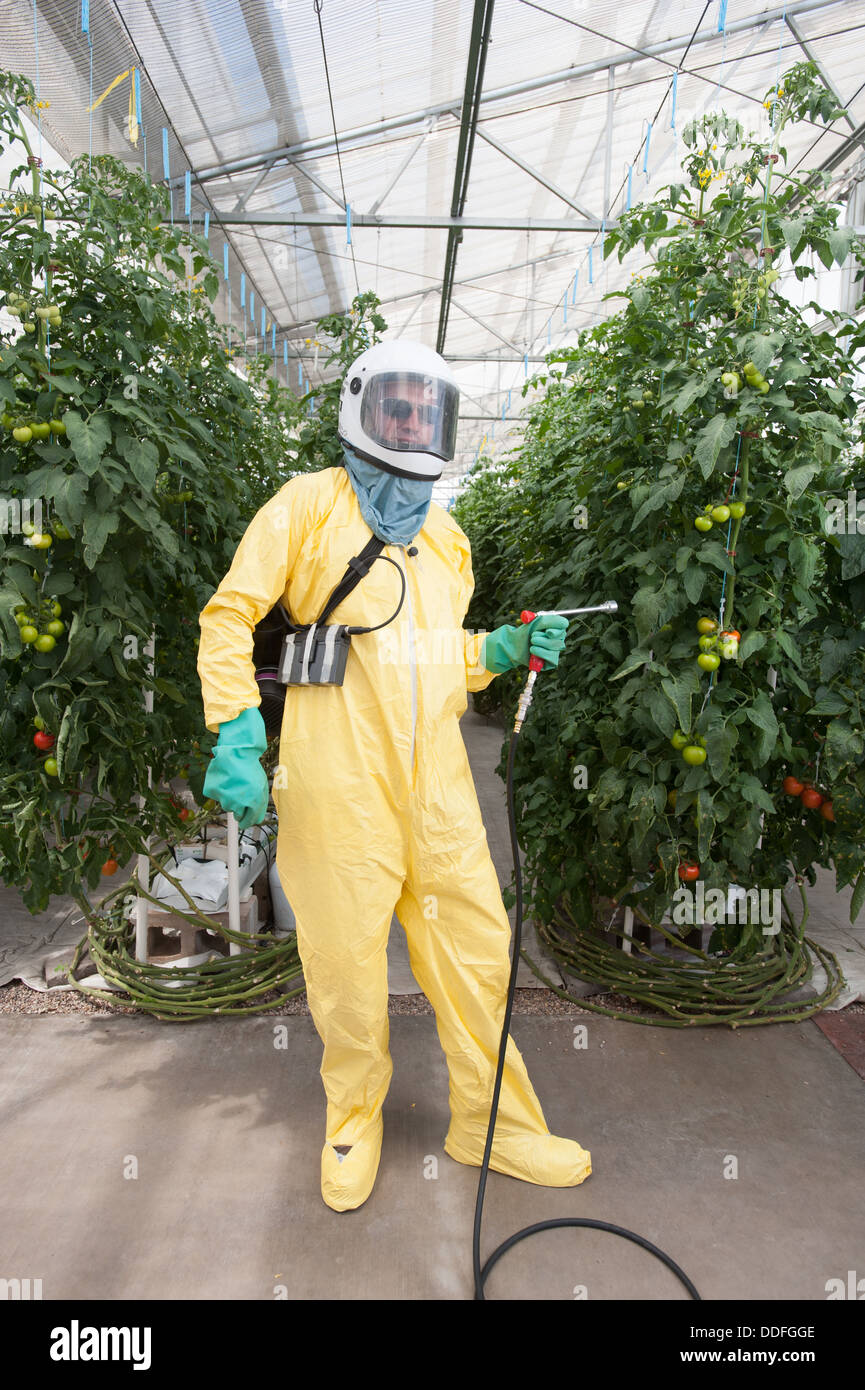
x,y
377,808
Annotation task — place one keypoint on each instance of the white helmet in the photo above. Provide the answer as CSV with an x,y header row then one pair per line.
x,y
398,409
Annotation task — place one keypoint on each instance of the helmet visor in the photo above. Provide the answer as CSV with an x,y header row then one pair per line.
x,y
412,413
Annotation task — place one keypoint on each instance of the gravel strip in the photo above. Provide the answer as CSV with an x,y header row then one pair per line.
x,y
18,998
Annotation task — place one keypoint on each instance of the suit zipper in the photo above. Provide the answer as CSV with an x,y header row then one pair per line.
x,y
413,667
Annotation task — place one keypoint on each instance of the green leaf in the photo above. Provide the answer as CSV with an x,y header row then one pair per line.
x,y
858,897
69,385
70,497
168,688
661,713
89,438
792,231
632,662
705,824
762,714
754,792
694,389
830,703
751,642
824,251
711,439
98,526
721,739
788,646
797,479
660,497
840,240
679,690
803,559
648,604
694,579
143,459
843,744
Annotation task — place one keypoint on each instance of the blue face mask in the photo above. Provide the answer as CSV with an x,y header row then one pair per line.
x,y
393,508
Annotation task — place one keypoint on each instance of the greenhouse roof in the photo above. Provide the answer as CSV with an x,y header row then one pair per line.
x,y
461,158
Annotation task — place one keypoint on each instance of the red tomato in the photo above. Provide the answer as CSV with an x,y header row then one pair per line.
x,y
43,740
792,787
110,866
826,811
688,872
811,798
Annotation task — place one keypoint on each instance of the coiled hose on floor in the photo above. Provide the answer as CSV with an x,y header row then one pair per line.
x,y
481,1273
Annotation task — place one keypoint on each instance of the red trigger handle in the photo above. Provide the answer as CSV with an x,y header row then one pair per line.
x,y
535,662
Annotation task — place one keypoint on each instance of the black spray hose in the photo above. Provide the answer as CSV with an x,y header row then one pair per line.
x,y
481,1274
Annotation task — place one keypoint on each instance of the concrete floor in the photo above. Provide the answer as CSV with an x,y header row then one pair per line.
x,y
147,1161
142,1161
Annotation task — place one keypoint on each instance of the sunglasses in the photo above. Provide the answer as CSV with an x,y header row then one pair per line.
x,y
398,409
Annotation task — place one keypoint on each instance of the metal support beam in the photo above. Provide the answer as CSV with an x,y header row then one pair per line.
x,y
608,154
478,46
262,175
507,342
532,172
313,178
421,302
827,82
457,224
400,171
325,145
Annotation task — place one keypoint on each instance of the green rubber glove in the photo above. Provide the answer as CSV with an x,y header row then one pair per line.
x,y
235,777
508,647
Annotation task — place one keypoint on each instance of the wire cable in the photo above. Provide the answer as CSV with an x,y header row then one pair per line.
x,y
317,4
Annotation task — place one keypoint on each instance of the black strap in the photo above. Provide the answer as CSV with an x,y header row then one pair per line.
x,y
270,631
358,567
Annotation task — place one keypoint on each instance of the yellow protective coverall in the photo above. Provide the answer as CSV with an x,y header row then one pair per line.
x,y
378,812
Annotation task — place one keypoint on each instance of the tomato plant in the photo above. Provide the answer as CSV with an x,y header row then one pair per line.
x,y
785,595
139,433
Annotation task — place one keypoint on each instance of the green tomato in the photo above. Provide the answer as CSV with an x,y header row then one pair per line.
x,y
56,628
56,609
39,722
57,426
23,434
707,642
710,661
703,523
61,532
679,740
45,643
50,767
705,625
40,429
693,755
721,513
29,633
737,510
763,387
